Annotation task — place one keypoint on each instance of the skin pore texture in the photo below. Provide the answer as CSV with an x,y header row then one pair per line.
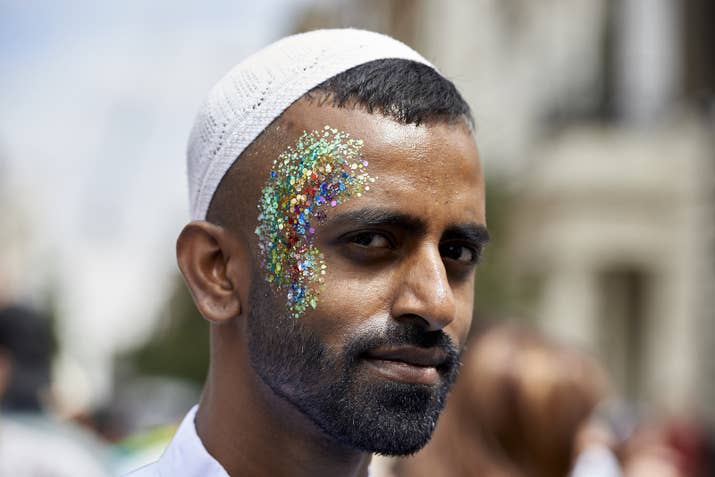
x,y
368,368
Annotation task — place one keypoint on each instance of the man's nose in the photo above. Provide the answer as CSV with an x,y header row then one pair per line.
x,y
424,292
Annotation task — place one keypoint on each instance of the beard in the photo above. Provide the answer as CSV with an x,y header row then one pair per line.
x,y
335,391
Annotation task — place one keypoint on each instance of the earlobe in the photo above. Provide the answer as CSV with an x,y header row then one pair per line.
x,y
204,252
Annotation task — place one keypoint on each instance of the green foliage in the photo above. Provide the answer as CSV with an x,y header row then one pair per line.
x,y
180,346
492,290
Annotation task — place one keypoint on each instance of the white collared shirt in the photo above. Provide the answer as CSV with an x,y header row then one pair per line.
x,y
186,456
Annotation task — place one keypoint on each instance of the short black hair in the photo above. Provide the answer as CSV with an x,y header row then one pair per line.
x,y
405,90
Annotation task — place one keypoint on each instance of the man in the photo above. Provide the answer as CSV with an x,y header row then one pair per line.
x,y
339,215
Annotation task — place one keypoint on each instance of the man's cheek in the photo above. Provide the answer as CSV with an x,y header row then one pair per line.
x,y
323,169
346,305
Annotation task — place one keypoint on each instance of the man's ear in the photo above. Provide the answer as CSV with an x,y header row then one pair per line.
x,y
212,263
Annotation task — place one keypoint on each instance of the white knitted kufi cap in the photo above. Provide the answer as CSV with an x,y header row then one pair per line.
x,y
257,90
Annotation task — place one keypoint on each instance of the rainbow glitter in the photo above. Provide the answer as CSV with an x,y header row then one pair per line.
x,y
322,170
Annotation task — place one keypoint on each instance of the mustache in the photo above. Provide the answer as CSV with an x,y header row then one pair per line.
x,y
404,335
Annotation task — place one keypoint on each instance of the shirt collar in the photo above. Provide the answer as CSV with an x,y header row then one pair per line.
x,y
186,454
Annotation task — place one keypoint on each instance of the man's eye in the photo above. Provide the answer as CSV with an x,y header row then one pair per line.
x,y
370,239
460,253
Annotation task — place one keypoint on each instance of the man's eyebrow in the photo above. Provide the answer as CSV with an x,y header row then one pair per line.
x,y
377,217
475,233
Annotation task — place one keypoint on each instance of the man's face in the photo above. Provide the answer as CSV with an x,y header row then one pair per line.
x,y
372,361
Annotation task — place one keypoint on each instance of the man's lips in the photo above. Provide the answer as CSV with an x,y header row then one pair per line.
x,y
409,364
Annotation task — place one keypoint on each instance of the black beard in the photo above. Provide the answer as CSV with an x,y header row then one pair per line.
x,y
349,405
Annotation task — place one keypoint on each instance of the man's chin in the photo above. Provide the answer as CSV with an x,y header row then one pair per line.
x,y
384,416
371,407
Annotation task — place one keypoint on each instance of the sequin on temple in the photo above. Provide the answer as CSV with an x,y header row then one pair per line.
x,y
323,169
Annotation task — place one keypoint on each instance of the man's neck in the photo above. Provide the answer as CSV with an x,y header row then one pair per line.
x,y
251,431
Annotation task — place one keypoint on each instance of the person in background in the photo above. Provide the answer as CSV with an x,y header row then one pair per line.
x,y
516,410
32,442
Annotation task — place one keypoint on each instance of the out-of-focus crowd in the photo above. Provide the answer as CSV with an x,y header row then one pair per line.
x,y
38,441
524,406
33,440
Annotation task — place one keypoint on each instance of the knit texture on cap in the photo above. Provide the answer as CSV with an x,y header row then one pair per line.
x,y
257,90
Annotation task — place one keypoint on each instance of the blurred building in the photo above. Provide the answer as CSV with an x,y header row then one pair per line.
x,y
599,117
616,209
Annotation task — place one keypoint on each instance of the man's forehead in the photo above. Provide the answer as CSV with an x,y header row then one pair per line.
x,y
433,155
439,160
385,138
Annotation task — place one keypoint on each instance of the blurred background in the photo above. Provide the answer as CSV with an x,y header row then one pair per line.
x,y
595,123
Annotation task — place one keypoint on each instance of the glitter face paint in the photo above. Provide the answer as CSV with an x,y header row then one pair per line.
x,y
323,169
